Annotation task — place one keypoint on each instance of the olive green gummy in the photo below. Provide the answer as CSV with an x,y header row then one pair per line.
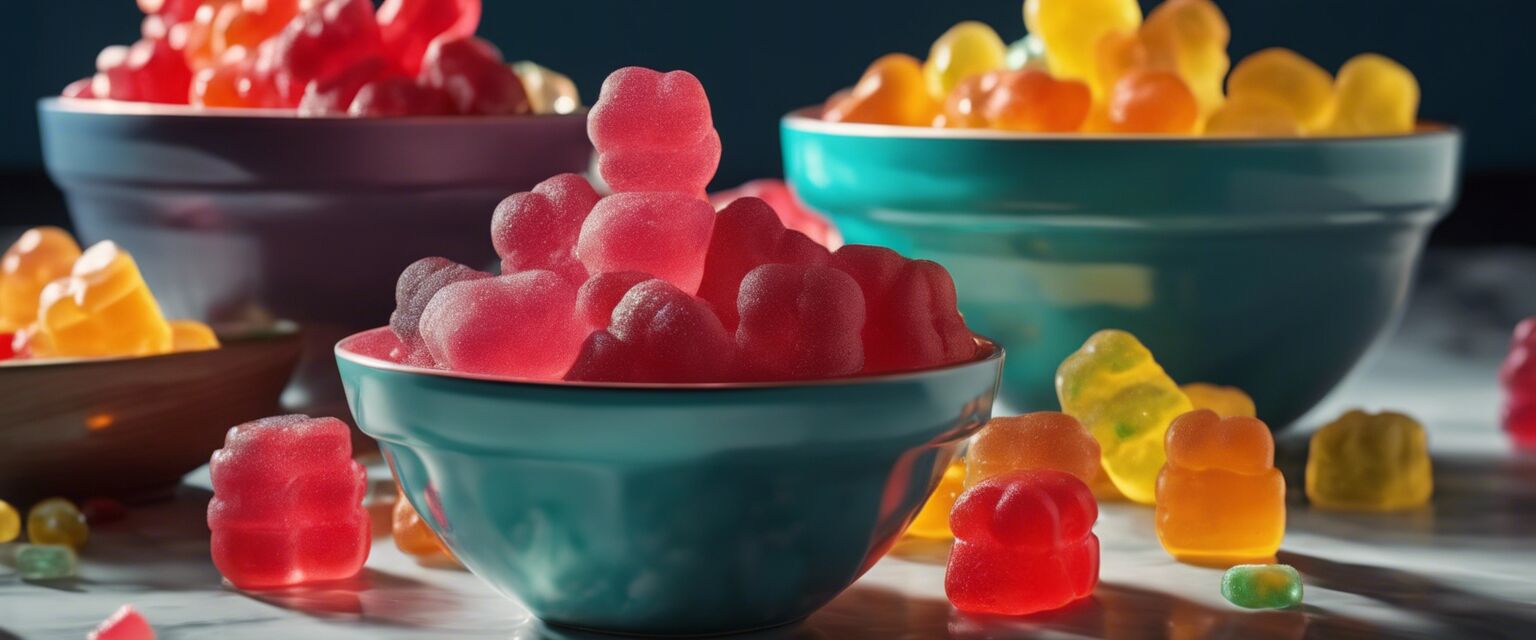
x,y
45,561
1242,585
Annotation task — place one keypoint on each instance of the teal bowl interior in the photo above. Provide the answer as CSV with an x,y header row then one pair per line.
x,y
1272,265
666,510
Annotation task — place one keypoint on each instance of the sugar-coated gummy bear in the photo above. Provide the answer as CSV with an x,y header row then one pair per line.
x,y
665,234
1028,52
1033,101
191,335
1151,101
965,50
1369,462
965,106
1518,376
57,521
124,624
1281,77
1126,401
932,522
408,27
1191,36
548,91
1040,440
521,325
287,503
1227,402
793,213
334,95
1262,586
599,295
1070,29
1374,96
1024,543
800,322
1219,497
747,234
658,333
396,96
654,131
10,522
411,533
892,91
911,319
1252,117
418,283
103,308
322,41
474,75
38,257
45,562
539,229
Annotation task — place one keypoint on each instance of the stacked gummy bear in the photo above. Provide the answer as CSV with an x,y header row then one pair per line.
x,y
650,284
1096,66
410,57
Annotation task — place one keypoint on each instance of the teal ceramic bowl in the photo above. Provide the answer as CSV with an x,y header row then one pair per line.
x,y
1272,265
666,509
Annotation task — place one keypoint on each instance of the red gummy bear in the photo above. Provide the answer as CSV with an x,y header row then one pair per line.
x,y
172,11
665,234
322,42
654,132
334,95
408,27
539,229
474,74
912,318
598,296
800,322
148,71
747,235
417,284
123,624
1518,376
288,503
658,333
521,325
792,213
1023,543
399,96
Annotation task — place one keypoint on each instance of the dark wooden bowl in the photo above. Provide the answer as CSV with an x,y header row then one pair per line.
x,y
130,428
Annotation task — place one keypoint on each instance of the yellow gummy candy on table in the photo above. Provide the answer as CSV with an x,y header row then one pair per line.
x,y
191,335
10,522
1374,96
933,521
892,91
1280,77
38,257
1070,30
103,308
1247,116
1219,497
1114,387
967,49
57,521
1227,402
1369,462
1190,37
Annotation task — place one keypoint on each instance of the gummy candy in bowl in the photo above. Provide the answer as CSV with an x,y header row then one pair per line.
x,y
1268,264
683,509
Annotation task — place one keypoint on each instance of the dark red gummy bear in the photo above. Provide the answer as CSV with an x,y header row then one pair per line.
x,y
334,95
800,322
322,42
1518,376
409,26
658,333
148,71
399,96
415,288
473,72
747,235
912,319
1023,543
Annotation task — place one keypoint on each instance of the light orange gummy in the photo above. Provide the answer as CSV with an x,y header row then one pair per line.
x,y
103,308
40,256
1031,100
191,335
1040,440
411,533
1152,101
964,106
892,91
932,521
1219,497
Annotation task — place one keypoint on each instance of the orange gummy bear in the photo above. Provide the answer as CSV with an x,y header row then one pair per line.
x,y
411,533
1151,101
1040,440
892,91
40,256
1219,497
103,308
1031,100
964,106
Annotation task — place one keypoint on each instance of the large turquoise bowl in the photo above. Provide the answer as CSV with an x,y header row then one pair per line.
x,y
666,510
1272,265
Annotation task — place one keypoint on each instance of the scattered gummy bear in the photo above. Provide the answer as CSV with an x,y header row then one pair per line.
x,y
124,624
411,533
1220,496
1227,402
45,561
57,521
932,522
1040,440
10,522
1369,462
1262,586
1518,375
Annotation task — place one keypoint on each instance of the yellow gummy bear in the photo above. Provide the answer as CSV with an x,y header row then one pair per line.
x,y
1374,96
1252,117
1071,30
1116,54
1190,37
40,256
967,49
1369,462
191,335
1227,402
1280,77
1114,387
103,308
933,521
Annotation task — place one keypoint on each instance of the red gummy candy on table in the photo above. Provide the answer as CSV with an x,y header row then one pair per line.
x,y
800,322
747,235
399,96
912,321
600,294
287,503
408,27
334,95
415,288
1024,543
665,234
321,42
539,229
1518,376
124,624
521,325
658,333
474,74
654,132
792,213
98,511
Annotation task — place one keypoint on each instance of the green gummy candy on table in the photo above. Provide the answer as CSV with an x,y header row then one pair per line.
x,y
1262,586
45,561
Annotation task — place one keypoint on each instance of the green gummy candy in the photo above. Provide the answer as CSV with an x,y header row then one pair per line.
x,y
45,561
1262,586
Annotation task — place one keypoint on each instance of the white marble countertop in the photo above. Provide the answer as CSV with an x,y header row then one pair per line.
x,y
1464,567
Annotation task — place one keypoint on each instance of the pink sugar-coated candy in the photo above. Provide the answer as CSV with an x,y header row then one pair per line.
x,y
600,294
800,322
399,96
287,503
334,95
408,27
124,624
148,71
658,333
747,235
913,321
687,169
521,325
415,288
665,234
539,229
792,213
475,76
79,89
325,40
654,132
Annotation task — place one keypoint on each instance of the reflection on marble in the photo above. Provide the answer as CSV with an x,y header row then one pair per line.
x,y
1462,567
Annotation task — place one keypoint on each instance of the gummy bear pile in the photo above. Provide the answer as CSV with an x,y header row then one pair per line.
x,y
323,57
59,302
651,284
1096,66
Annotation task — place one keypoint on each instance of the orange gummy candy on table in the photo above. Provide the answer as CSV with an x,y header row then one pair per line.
x,y
1219,497
104,308
932,521
40,256
1150,101
892,91
411,533
1040,440
1032,101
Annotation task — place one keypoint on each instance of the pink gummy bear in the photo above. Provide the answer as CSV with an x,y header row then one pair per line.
x,y
1518,376
334,95
653,132
658,333
124,624
1023,543
472,72
321,42
417,284
800,322
521,325
665,234
912,318
598,297
288,503
408,27
792,213
399,96
539,229
747,235
148,71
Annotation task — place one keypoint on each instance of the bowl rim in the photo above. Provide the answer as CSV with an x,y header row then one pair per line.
x,y
231,334
84,106
806,119
991,351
